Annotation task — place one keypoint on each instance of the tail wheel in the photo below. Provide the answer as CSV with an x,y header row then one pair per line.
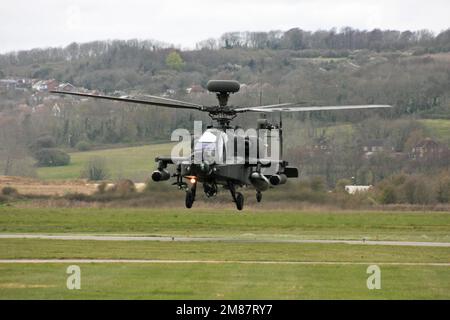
x,y
189,199
239,201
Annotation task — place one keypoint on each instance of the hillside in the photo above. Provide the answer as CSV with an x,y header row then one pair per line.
x,y
136,163
408,70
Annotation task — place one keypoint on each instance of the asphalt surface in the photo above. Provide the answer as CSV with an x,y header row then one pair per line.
x,y
218,239
80,261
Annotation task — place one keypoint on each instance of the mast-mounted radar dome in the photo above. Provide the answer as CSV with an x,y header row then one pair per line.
x,y
223,86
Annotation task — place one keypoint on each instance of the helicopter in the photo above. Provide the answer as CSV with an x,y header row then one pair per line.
x,y
221,155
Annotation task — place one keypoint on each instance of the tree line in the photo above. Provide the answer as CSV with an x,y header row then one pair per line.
x,y
334,71
344,38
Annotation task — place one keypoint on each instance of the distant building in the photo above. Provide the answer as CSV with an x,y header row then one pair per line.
x,y
169,93
196,88
351,189
45,85
8,84
231,67
428,148
24,83
120,93
256,87
375,146
322,143
66,87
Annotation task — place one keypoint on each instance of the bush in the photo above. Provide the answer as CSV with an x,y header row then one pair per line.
x,y
152,187
388,195
317,184
102,187
418,190
340,185
45,142
83,146
443,189
95,169
124,187
49,157
411,189
77,197
9,191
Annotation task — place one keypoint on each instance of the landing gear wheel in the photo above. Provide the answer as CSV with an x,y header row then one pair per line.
x,y
189,199
239,201
258,196
238,197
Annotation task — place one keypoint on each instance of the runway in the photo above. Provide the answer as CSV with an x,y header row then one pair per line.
x,y
219,239
143,261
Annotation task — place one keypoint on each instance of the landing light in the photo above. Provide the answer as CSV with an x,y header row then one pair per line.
x,y
193,180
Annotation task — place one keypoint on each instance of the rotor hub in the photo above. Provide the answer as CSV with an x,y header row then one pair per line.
x,y
223,88
223,98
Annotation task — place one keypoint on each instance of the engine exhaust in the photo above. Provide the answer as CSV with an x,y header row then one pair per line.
x,y
160,175
278,179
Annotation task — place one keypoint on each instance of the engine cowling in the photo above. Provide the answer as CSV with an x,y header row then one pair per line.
x,y
259,181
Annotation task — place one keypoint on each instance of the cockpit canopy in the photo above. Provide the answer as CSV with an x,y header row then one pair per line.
x,y
211,147
216,146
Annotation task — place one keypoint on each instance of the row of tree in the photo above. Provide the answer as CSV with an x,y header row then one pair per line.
x,y
345,38
294,39
416,85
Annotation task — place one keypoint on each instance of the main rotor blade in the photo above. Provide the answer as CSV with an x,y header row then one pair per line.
x,y
173,100
313,108
265,107
132,100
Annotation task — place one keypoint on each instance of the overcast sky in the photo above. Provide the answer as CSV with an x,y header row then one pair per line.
x,y
28,24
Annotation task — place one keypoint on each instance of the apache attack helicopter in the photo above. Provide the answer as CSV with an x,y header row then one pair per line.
x,y
209,163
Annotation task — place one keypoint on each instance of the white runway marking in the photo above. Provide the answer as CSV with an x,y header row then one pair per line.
x,y
218,239
134,261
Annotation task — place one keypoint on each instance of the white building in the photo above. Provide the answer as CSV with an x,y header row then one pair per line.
x,y
351,189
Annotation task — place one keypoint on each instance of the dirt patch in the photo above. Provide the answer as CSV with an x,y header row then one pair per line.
x,y
48,188
444,56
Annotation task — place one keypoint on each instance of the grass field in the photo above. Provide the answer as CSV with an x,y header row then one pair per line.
x,y
137,162
225,270
218,251
281,224
132,163
439,128
222,281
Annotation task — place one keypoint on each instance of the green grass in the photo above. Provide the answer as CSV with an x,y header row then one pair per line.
x,y
137,162
406,226
222,251
222,281
439,128
131,163
232,280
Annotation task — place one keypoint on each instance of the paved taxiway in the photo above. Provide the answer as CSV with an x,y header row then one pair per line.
x,y
218,239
